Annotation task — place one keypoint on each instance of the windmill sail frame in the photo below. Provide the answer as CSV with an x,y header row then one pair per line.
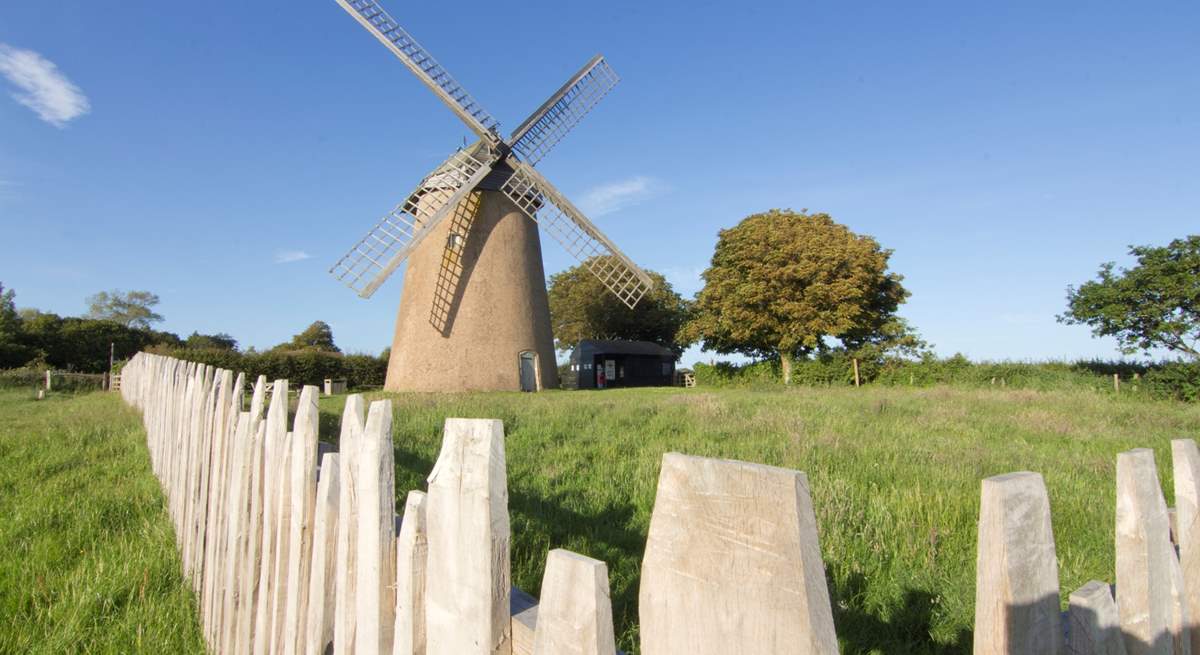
x,y
375,257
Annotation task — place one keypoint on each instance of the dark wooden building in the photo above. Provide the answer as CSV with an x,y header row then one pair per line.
x,y
601,364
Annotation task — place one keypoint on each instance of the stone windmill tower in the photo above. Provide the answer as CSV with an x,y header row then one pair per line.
x,y
473,312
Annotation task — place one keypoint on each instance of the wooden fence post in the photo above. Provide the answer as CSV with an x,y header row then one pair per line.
x,y
1094,628
1149,581
273,469
732,563
322,590
856,380
575,612
354,420
375,560
233,549
467,609
412,552
1186,464
1016,572
302,492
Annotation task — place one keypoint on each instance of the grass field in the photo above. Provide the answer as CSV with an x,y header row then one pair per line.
x,y
86,557
894,474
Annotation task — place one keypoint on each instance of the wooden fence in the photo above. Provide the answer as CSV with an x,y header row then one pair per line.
x,y
291,553
1156,605
291,549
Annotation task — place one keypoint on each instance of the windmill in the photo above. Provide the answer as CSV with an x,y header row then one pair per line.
x,y
474,312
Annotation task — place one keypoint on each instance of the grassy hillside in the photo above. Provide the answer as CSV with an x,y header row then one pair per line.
x,y
894,472
87,557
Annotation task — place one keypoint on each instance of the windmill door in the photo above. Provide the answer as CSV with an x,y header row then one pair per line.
x,y
528,371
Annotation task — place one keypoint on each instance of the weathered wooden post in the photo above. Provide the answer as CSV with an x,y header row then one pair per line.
x,y
232,546
1093,625
1149,580
412,553
467,600
575,612
732,563
48,381
354,418
273,470
1186,460
301,492
856,379
375,561
248,570
322,590
1016,572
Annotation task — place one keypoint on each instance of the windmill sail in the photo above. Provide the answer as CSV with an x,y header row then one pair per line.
x,y
377,255
563,111
423,65
563,221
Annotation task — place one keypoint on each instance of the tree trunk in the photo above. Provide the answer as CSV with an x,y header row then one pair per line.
x,y
785,362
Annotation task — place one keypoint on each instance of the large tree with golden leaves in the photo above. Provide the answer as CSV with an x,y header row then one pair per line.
x,y
782,282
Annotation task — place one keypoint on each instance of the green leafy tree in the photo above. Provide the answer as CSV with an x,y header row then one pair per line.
x,y
318,336
219,341
1154,304
133,309
581,307
13,352
10,320
781,282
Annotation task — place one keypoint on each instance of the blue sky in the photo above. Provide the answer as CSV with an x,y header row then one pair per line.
x,y
1003,151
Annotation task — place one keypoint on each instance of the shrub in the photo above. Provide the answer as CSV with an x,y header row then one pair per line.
x,y
1178,380
297,367
365,371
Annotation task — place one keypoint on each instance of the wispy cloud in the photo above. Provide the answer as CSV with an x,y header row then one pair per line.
x,y
608,198
289,256
41,87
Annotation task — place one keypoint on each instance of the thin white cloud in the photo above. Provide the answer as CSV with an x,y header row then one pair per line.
x,y
289,256
41,87
608,198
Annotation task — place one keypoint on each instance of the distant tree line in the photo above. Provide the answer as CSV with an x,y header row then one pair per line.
x,y
805,297
122,321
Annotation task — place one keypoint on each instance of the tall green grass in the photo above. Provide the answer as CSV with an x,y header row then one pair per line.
x,y
895,476
87,557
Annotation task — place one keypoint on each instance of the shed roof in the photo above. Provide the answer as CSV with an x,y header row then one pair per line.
x,y
621,347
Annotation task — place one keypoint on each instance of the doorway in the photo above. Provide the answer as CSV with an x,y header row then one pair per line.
x,y
528,371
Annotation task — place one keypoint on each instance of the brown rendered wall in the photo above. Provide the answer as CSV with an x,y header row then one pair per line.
x,y
467,311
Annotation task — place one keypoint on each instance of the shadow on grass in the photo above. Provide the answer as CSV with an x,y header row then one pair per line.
x,y
908,629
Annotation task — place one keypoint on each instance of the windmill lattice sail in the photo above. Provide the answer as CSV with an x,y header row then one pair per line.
x,y
563,221
377,255
423,65
563,111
